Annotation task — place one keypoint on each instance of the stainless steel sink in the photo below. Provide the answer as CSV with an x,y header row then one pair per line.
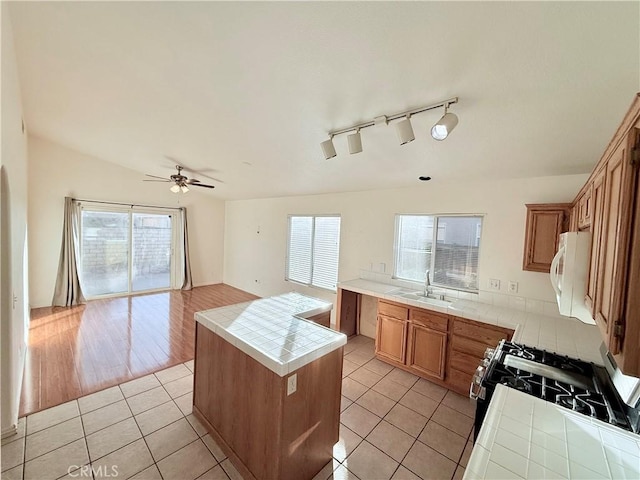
x,y
419,296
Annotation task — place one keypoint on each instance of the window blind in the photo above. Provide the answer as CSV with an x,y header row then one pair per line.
x,y
313,250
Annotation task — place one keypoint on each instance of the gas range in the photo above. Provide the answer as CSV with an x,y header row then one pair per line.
x,y
580,386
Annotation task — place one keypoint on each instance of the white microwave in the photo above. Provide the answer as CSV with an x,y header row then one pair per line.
x,y
569,270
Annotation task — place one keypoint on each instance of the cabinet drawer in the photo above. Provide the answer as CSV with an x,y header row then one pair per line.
x,y
459,381
470,347
435,321
487,335
393,310
464,362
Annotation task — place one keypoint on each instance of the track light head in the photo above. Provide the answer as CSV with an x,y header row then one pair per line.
x,y
175,188
328,150
404,130
355,142
442,129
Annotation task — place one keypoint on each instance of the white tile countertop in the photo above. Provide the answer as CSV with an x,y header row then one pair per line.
x,y
530,438
563,335
274,332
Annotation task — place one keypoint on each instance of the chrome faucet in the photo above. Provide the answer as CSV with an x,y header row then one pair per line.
x,y
427,284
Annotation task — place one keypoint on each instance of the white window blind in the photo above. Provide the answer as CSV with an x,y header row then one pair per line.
x,y
447,246
313,250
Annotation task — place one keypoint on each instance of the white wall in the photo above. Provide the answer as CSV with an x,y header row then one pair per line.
x,y
56,172
256,261
14,310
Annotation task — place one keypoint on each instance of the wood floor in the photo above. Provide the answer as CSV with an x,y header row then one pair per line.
x,y
79,350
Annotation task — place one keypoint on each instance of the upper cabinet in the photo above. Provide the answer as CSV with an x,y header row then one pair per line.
x,y
545,223
609,207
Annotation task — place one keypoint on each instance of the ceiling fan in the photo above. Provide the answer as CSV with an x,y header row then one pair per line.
x,y
180,182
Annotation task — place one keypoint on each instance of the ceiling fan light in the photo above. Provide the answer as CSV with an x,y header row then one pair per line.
x,y
175,188
184,188
404,130
328,150
442,129
355,142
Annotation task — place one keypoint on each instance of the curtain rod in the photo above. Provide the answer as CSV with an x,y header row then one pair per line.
x,y
125,204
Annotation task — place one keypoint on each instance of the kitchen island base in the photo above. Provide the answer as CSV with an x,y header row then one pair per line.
x,y
266,432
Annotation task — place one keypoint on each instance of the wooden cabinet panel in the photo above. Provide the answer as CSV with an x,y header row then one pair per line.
x,y
464,362
489,335
597,201
467,345
545,222
391,338
427,350
459,381
607,311
393,310
585,205
323,319
433,320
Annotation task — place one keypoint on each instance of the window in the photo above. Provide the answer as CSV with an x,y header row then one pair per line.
x,y
125,250
447,246
313,250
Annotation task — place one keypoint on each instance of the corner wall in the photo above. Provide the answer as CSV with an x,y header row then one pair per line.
x,y
56,171
256,231
14,292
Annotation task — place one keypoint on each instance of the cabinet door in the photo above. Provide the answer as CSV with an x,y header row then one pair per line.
x,y
427,350
607,299
545,223
597,205
391,338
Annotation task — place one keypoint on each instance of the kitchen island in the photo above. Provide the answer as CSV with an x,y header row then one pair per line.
x,y
267,384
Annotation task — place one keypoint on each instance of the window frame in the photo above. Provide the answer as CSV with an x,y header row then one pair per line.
x,y
313,231
436,216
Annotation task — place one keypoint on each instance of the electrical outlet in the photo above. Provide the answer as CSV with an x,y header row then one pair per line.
x,y
494,284
513,287
292,384
383,267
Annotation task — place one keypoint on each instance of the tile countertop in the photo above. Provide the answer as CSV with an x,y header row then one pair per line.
x,y
563,335
274,332
527,437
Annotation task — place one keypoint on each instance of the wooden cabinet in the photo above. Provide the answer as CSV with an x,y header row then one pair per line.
x,y
391,331
443,349
391,338
613,282
597,201
584,210
427,350
469,341
545,223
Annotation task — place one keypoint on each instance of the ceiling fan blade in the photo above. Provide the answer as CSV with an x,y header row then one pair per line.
x,y
155,176
163,181
193,181
202,185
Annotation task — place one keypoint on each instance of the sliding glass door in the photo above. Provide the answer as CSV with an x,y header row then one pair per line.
x,y
126,250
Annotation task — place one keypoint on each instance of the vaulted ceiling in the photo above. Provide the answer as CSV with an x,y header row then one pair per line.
x,y
246,91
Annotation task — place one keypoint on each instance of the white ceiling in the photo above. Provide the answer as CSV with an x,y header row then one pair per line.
x,y
249,90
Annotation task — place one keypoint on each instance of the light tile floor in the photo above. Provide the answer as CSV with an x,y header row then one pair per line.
x,y
394,425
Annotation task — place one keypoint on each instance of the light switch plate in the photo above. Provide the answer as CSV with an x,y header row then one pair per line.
x,y
292,384
513,287
494,284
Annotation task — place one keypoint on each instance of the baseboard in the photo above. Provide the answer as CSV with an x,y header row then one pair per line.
x,y
9,431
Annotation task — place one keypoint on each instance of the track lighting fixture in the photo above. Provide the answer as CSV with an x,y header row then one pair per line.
x,y
355,142
328,149
448,122
404,129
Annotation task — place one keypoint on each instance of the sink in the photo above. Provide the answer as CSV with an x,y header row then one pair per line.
x,y
401,291
419,296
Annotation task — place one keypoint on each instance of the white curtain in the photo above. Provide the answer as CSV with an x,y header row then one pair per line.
x,y
184,251
68,291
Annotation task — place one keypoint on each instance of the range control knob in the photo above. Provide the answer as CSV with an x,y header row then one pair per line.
x,y
488,353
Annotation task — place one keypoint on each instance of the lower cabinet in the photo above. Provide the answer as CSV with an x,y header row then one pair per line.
x,y
433,345
391,338
427,350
